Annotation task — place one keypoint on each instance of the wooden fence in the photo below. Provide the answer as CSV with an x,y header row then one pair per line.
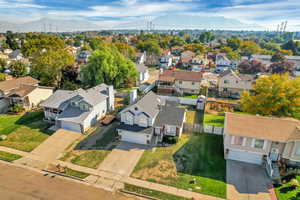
x,y
192,128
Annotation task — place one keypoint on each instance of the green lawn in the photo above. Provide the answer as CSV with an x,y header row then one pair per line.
x,y
214,120
288,192
89,158
75,173
192,96
151,193
197,157
9,156
24,132
194,117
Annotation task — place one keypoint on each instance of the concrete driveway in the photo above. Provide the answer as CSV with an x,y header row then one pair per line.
x,y
123,158
51,148
247,182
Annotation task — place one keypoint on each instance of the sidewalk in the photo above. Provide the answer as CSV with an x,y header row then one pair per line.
x,y
109,180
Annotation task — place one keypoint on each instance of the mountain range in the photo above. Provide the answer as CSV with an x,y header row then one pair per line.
x,y
161,22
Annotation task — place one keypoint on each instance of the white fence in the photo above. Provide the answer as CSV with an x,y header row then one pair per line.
x,y
213,129
181,100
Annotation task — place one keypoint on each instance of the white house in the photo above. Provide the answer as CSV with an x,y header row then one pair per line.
x,y
149,120
143,73
165,62
80,109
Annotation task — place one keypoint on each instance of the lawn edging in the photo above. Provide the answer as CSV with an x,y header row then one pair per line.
x,y
64,175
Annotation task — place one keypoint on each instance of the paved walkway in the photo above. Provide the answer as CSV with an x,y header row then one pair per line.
x,y
123,158
247,182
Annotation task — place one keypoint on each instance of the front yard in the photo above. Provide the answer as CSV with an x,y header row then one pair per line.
x,y
25,131
88,155
289,190
195,163
214,120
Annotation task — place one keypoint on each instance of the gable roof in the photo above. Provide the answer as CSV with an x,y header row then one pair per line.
x,y
269,128
149,104
22,91
60,98
170,115
16,83
181,75
242,77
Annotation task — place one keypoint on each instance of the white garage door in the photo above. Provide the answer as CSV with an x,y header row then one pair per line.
x,y
245,156
138,138
71,126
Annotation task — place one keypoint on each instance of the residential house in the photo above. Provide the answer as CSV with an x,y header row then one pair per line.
x,y
253,139
7,51
80,109
24,91
83,57
16,55
232,84
141,57
198,63
143,73
149,120
185,58
179,81
223,63
165,62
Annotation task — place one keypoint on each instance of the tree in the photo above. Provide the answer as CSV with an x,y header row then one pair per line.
x,y
248,48
48,66
150,46
252,67
2,77
3,63
108,65
234,43
286,52
206,37
127,50
11,40
278,57
18,69
232,55
38,42
282,67
293,46
195,47
96,42
275,95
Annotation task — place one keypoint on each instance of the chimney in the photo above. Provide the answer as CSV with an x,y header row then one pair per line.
x,y
111,98
133,96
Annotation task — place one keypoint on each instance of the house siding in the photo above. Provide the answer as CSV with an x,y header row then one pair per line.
x,y
99,111
38,95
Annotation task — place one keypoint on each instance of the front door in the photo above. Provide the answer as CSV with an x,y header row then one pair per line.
x,y
274,154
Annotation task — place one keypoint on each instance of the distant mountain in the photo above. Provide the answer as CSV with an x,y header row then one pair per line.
x,y
191,22
49,25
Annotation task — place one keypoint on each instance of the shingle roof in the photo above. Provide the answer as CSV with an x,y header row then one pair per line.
x,y
73,114
16,83
61,97
170,115
269,128
22,91
135,128
141,68
148,104
181,75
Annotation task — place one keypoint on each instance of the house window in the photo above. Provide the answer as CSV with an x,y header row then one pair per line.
x,y
238,140
226,81
248,142
193,83
225,89
192,90
297,151
236,81
180,82
259,144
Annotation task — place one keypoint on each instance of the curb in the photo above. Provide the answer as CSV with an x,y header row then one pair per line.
x,y
64,175
137,194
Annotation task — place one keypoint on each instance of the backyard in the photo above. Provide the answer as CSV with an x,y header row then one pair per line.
x,y
289,190
92,150
195,163
24,131
214,120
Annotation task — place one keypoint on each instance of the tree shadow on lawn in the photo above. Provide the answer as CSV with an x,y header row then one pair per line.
x,y
202,156
34,120
287,189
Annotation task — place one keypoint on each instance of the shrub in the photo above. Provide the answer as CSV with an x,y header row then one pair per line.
x,y
170,139
16,108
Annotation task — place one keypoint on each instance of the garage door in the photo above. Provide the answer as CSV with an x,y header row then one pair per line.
x,y
71,126
139,138
245,156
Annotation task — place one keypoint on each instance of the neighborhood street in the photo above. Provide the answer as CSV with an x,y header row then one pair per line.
x,y
21,183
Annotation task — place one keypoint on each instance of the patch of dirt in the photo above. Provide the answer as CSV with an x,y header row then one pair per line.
x,y
160,173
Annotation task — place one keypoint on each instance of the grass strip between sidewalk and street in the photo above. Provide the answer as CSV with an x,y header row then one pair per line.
x,y
9,156
151,193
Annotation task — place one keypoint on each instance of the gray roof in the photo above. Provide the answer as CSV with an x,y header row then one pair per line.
x,y
170,115
60,99
148,104
135,128
141,68
73,114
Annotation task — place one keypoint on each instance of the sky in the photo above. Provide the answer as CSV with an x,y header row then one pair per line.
x,y
106,13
